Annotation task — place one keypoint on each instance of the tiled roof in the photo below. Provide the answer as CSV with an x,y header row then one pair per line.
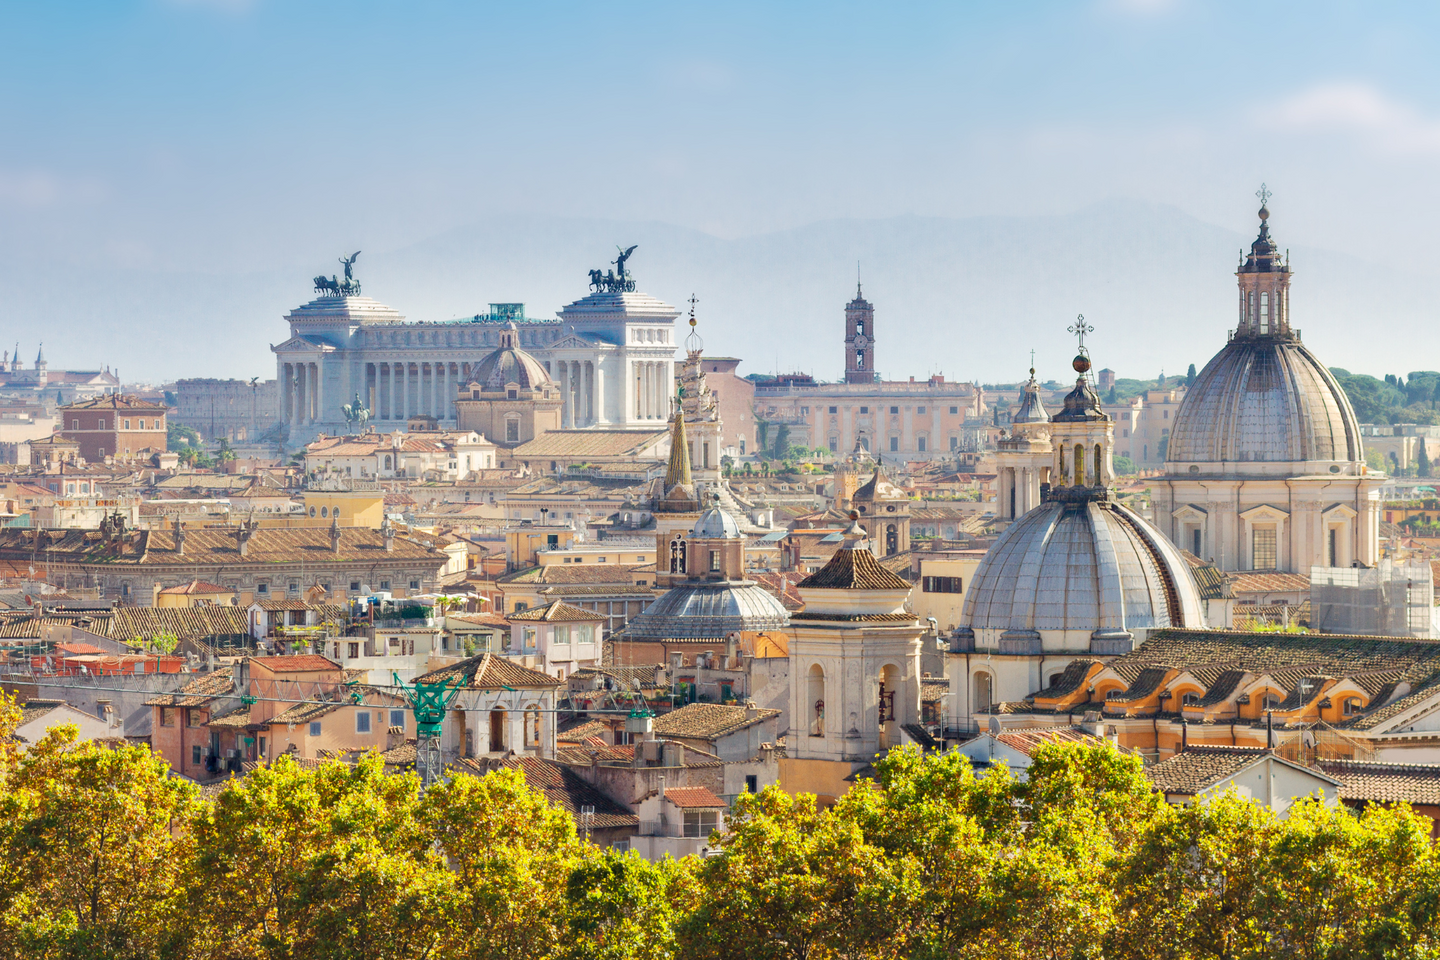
x,y
209,546
196,586
588,443
708,721
1222,687
934,690
559,612
583,730
115,401
305,712
1026,740
480,619
1070,679
488,672
198,692
237,719
853,568
1270,582
1385,782
567,790
694,798
1196,769
296,663
577,573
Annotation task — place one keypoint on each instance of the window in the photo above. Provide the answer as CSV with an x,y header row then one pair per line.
x,y
954,443
127,424
1190,700
474,394
512,394
315,728
1195,542
1262,548
142,424
100,424
859,326
294,588
834,445
894,444
262,588
353,650
414,584
919,409
562,633
195,756
1353,706
714,561
384,584
834,409
192,718
362,721
1166,414
864,409
397,718
920,444
954,409
312,511
942,584
894,409
167,716
324,511
859,359
262,748
355,586
512,431
700,823
74,424
752,783
532,726
804,411
1334,547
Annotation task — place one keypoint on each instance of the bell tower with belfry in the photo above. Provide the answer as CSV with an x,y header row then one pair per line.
x,y
859,338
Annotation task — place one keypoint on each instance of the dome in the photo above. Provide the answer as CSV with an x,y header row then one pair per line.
x,y
1031,409
716,524
509,364
1088,565
1264,399
705,611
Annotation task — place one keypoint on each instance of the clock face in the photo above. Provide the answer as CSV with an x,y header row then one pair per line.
x,y
860,341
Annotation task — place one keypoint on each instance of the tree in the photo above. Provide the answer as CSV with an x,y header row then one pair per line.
x,y
1422,460
762,433
511,854
622,907
782,442
92,852
225,454
332,862
1190,376
178,437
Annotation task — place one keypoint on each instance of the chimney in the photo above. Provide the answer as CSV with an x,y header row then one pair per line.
x,y
751,711
662,788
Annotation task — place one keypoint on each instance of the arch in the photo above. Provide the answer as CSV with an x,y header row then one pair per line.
x,y
815,699
497,729
1099,465
1079,465
888,717
984,692
532,726
387,461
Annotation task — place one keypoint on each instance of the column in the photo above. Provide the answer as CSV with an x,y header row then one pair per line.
x,y
647,384
567,403
394,390
287,413
316,370
444,392
302,395
404,412
589,369
599,393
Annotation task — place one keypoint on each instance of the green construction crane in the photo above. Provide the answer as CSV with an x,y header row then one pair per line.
x,y
428,702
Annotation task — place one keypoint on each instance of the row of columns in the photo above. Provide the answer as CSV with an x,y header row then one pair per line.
x,y
404,389
302,398
654,385
582,386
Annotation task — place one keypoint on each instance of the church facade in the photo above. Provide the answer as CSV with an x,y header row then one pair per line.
x,y
611,354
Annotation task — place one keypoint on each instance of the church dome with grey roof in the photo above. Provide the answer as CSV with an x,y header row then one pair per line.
x,y
1265,397
1088,565
709,611
1031,409
715,523
509,364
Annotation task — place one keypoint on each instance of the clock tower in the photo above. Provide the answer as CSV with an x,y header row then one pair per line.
x,y
859,340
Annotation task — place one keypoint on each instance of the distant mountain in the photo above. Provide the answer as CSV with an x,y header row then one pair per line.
x,y
967,298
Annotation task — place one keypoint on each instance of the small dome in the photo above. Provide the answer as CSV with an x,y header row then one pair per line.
x,y
509,364
1090,565
716,524
1264,399
1081,404
1031,409
705,611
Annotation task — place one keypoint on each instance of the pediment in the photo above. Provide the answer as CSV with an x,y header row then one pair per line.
x,y
1265,513
302,343
1339,510
1189,511
572,341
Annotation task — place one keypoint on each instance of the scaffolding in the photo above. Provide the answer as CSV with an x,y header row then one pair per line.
x,y
1390,599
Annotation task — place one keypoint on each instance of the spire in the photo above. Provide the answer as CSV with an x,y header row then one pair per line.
x,y
1264,277
693,344
40,357
678,470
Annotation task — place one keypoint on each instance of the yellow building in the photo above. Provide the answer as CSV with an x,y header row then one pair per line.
x,y
940,591
524,543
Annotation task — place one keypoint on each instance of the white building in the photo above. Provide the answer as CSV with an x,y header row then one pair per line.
x,y
612,354
1265,469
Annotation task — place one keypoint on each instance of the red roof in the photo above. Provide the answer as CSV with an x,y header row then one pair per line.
x,y
298,663
699,797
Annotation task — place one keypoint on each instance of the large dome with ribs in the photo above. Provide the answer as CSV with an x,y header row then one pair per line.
x,y
509,364
1265,399
1087,565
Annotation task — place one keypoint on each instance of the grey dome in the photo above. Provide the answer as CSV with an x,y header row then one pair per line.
x,y
1088,565
1264,399
509,364
716,524
707,611
1031,409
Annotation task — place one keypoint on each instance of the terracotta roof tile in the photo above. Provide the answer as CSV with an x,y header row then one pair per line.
x,y
708,721
1196,769
690,798
488,672
853,568
296,663
1386,782
198,692
559,612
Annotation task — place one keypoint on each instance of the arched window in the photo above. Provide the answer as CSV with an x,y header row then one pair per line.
x,y
677,556
1353,705
387,462
816,698
981,699
1079,465
1099,461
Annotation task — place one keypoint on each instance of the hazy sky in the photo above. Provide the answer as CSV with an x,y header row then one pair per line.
x,y
238,135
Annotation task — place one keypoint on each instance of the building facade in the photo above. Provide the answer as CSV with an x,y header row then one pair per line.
x,y
611,353
238,410
114,426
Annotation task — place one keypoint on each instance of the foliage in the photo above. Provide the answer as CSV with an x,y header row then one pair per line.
x,y
781,449
1410,399
102,854
178,436
1124,466
162,642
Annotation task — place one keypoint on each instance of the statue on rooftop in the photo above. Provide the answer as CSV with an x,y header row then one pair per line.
x,y
356,414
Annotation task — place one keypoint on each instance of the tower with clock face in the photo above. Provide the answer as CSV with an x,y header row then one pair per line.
x,y
859,340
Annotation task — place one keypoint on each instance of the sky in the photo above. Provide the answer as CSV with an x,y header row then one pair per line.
x,y
236,136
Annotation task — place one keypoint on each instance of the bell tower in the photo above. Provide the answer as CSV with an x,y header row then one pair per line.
x,y
859,339
1264,284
